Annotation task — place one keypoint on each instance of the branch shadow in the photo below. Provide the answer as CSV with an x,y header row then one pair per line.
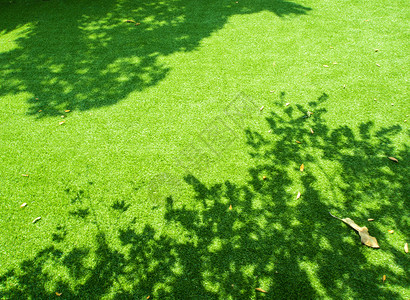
x,y
237,238
81,55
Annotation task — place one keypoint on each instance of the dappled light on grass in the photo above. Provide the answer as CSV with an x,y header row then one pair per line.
x,y
243,239
78,56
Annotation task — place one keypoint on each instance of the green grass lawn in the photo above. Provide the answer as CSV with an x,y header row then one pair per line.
x,y
162,154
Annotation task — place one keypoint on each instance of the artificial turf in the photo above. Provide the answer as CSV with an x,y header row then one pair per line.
x,y
161,153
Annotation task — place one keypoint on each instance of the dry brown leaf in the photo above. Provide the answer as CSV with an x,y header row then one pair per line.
x,y
394,159
370,220
302,167
23,205
298,196
298,142
384,278
230,207
391,231
406,248
36,219
260,290
311,131
366,238
58,294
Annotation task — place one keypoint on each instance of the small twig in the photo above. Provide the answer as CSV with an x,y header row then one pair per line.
x,y
335,216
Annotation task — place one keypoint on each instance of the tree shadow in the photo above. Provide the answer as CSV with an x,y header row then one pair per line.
x,y
120,206
81,55
236,238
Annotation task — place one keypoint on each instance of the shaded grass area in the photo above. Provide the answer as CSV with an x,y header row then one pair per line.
x,y
290,247
120,221
77,55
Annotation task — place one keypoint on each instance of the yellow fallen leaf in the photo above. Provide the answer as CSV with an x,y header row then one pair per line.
x,y
67,110
264,177
302,167
370,220
406,248
298,142
260,290
287,104
23,205
384,278
378,65
326,66
376,50
298,196
311,131
391,231
394,159
230,207
363,232
24,175
261,108
58,294
61,123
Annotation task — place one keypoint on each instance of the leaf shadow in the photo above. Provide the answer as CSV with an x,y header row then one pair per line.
x,y
235,238
79,56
